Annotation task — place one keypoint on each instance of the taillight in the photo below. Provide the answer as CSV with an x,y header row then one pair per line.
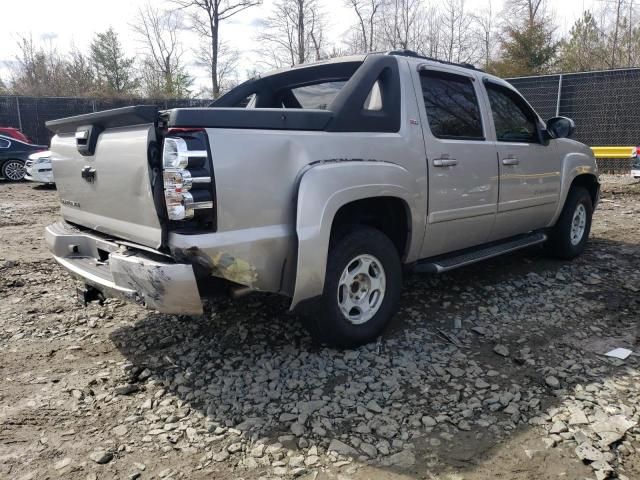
x,y
180,166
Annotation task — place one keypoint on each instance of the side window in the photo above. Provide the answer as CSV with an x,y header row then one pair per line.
x,y
452,106
318,95
373,102
247,102
4,143
513,119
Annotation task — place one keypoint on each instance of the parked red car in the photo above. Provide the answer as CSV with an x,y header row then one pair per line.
x,y
14,133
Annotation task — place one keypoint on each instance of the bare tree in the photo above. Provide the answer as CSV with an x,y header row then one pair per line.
x,y
227,65
459,44
485,32
207,16
402,24
367,13
79,73
38,70
531,10
293,33
158,31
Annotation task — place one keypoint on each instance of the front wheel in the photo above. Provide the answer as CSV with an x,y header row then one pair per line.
x,y
361,290
13,170
568,238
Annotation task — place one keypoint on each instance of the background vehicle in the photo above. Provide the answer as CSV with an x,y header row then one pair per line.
x,y
13,156
38,168
14,133
635,163
318,182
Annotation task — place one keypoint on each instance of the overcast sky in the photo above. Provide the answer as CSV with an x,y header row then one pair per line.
x,y
75,21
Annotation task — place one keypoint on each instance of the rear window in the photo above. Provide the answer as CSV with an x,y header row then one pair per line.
x,y
317,96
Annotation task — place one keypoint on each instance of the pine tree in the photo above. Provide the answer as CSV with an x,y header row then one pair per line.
x,y
113,69
585,48
528,44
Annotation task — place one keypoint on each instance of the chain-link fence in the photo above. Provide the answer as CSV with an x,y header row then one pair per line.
x,y
605,106
30,113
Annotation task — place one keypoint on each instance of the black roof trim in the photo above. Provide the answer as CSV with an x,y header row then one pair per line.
x,y
412,54
254,118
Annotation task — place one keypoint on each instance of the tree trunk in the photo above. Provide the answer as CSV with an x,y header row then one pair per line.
x,y
301,42
615,35
215,86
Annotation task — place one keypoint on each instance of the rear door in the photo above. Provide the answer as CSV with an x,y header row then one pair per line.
x,y
101,166
462,165
529,169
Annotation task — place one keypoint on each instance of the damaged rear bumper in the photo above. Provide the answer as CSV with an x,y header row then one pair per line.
x,y
118,271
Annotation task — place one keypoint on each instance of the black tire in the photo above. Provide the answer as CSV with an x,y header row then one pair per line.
x,y
9,170
560,243
328,325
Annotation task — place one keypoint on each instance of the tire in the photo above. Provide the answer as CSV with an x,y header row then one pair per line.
x,y
13,170
361,257
569,236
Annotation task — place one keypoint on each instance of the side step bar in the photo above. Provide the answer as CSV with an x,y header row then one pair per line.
x,y
467,257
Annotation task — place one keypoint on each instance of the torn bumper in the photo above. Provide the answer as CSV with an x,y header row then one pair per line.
x,y
120,272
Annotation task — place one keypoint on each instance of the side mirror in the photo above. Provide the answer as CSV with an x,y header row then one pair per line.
x,y
560,127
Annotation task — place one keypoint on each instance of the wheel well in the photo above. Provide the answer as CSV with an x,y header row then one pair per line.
x,y
590,182
390,215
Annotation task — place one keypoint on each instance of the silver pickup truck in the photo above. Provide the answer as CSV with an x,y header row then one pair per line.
x,y
323,182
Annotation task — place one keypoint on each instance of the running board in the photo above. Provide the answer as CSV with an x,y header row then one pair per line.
x,y
444,264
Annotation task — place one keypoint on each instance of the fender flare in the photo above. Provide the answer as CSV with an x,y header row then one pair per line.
x,y
574,165
323,190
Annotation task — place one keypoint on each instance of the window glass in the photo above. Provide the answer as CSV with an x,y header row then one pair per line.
x,y
317,96
373,101
4,143
247,102
513,119
452,106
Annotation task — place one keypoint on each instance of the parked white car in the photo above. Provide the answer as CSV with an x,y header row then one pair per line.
x,y
38,168
635,165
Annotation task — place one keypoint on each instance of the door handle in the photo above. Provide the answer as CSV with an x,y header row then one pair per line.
x,y
444,162
510,160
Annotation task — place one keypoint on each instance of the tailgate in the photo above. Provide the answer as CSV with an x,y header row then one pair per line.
x,y
101,166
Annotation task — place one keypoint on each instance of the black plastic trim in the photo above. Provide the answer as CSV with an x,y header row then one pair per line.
x,y
253,118
348,105
117,117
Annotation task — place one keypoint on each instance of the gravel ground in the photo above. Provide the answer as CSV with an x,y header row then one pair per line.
x,y
488,372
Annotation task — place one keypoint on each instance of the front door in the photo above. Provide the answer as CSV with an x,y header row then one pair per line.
x,y
529,169
462,165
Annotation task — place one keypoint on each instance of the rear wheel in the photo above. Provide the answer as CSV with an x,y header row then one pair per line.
x,y
568,237
361,291
13,170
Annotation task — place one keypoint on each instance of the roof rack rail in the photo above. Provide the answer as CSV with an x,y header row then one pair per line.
x,y
411,53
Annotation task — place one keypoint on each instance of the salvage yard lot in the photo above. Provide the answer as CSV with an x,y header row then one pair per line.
x,y
492,371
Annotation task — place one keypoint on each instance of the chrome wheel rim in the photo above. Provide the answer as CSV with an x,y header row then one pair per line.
x,y
14,170
578,224
361,289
